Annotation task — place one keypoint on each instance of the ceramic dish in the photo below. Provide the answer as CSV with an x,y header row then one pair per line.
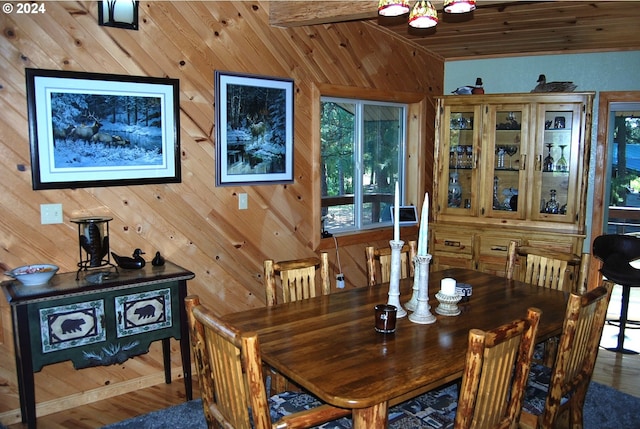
x,y
33,275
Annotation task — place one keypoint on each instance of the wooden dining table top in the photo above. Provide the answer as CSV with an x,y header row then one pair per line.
x,y
328,344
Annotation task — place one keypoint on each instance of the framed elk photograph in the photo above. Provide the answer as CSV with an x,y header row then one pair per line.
x,y
89,129
254,121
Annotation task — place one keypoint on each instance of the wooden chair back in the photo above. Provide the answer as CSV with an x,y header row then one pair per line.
x,y
229,370
297,277
495,375
575,359
379,262
543,268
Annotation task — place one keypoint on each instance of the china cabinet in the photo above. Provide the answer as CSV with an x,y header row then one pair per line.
x,y
509,167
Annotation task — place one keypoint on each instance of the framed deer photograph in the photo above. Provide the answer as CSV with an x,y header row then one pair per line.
x,y
90,129
254,122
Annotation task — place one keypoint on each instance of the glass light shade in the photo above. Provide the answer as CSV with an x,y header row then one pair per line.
x,y
393,7
459,6
423,15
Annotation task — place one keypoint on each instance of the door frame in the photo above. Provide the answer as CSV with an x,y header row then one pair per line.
x,y
601,181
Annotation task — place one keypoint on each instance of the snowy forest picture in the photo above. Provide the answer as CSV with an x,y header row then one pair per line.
x,y
254,117
102,130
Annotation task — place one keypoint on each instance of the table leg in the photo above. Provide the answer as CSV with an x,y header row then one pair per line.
x,y
375,417
185,345
24,366
166,359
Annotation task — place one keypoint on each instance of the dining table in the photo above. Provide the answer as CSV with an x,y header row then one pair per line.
x,y
328,346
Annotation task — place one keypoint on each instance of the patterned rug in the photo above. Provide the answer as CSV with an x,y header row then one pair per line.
x,y
605,408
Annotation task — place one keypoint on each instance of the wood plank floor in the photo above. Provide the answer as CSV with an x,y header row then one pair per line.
x,y
612,369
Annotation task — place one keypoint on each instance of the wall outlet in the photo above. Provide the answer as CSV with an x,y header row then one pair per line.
x,y
50,213
243,201
340,281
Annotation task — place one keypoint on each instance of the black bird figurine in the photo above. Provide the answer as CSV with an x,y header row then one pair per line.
x,y
544,86
157,260
470,89
134,263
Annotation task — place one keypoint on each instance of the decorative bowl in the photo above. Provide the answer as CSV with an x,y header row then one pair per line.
x,y
33,275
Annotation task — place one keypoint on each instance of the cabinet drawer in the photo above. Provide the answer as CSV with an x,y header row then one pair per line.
x,y
460,245
495,247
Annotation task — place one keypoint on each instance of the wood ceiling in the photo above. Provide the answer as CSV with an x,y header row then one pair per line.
x,y
494,29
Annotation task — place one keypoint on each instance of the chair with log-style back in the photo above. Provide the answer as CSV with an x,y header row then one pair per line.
x,y
298,278
547,269
381,271
542,267
493,382
231,384
562,388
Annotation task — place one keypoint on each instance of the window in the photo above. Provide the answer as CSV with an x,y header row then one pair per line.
x,y
624,190
362,156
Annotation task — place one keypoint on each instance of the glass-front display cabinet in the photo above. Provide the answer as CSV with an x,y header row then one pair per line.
x,y
509,167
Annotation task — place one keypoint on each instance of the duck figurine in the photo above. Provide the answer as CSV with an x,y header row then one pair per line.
x,y
134,263
157,260
544,86
469,89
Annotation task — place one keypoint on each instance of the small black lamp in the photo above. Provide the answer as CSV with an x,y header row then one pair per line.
x,y
93,238
118,13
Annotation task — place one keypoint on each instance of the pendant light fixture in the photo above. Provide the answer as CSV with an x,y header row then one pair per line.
x,y
393,8
459,6
423,15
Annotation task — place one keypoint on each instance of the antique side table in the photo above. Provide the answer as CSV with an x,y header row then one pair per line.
x,y
103,318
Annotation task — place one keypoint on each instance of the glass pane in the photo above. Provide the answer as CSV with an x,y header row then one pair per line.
x,y
556,162
506,166
461,159
337,136
625,174
383,133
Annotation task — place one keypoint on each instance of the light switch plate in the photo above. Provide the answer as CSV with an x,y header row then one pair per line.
x,y
50,213
243,202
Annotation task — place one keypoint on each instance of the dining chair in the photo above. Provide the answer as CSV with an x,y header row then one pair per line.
x,y
379,262
562,388
297,277
541,267
493,382
298,280
229,370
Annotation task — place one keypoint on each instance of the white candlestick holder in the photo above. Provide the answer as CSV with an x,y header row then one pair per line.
x,y
413,302
448,304
394,277
422,313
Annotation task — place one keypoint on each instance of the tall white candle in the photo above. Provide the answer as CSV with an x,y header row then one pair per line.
x,y
396,215
423,233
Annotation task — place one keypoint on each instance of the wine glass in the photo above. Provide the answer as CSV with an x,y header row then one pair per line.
x,y
511,150
562,165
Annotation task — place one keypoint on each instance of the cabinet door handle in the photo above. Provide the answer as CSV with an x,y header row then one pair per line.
x,y
523,161
499,248
539,163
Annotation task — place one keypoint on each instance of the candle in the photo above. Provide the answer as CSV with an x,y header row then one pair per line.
x,y
448,286
396,215
423,233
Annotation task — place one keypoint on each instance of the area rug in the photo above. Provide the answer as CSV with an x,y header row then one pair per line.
x,y
605,408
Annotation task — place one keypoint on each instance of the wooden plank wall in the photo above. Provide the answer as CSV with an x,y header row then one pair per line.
x,y
192,223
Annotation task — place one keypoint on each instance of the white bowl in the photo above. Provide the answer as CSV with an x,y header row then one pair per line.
x,y
33,275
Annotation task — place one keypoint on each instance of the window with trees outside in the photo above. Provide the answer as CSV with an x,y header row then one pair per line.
x,y
362,156
624,192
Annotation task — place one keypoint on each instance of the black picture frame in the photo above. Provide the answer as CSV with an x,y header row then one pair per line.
x,y
254,129
96,130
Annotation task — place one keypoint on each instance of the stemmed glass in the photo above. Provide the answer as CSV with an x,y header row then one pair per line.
x,y
511,150
562,165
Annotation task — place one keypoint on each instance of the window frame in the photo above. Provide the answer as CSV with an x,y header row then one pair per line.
x,y
358,158
416,156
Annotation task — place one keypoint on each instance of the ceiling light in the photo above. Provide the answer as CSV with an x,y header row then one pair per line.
x,y
423,15
393,7
459,6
